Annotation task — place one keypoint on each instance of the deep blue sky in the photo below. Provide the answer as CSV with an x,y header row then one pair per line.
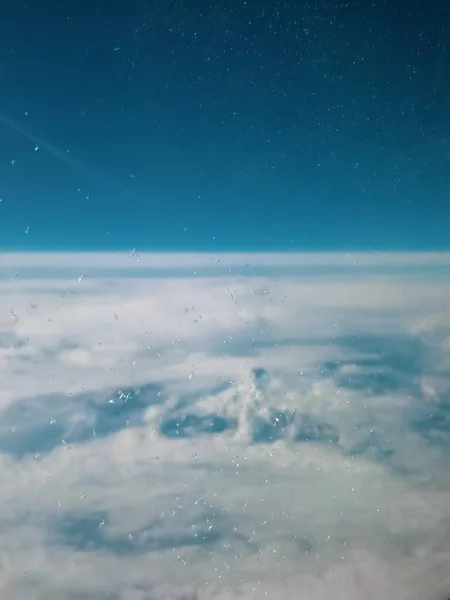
x,y
225,125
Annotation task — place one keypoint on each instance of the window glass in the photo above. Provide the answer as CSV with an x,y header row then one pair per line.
x,y
224,300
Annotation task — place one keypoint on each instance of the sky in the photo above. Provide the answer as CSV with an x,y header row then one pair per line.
x,y
224,284
224,126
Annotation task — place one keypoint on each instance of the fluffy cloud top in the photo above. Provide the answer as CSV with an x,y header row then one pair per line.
x,y
235,426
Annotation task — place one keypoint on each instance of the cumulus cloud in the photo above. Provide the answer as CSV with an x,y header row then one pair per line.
x,y
231,426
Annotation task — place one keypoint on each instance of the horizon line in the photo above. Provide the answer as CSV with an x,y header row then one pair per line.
x,y
164,259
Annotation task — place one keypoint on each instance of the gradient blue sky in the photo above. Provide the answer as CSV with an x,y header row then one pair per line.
x,y
226,125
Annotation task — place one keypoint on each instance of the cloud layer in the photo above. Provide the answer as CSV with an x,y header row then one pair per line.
x,y
275,427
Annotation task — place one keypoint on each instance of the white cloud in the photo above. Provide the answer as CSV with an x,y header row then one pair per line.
x,y
165,260
280,435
